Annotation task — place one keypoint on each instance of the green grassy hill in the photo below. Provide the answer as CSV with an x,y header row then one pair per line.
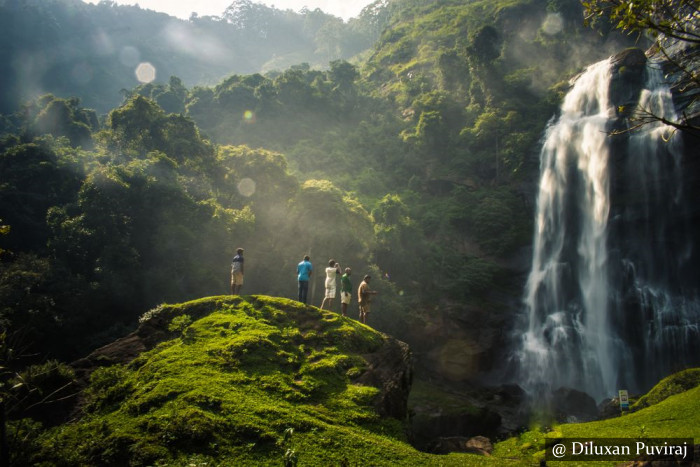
x,y
240,381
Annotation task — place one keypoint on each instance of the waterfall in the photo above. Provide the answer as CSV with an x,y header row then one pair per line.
x,y
606,307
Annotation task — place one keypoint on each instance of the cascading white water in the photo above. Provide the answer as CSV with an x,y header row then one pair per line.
x,y
595,305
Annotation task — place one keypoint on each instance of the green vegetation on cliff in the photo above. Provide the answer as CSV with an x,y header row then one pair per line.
x,y
669,386
240,380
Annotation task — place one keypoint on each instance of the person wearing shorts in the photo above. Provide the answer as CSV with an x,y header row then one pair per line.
x,y
345,292
364,298
237,272
332,270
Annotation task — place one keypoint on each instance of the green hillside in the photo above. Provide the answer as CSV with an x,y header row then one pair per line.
x,y
238,381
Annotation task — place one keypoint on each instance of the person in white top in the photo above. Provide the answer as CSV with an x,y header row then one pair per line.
x,y
332,271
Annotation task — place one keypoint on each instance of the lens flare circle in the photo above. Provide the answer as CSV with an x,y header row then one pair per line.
x,y
553,24
249,116
145,72
246,187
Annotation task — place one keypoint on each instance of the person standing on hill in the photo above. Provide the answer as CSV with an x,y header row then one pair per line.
x,y
304,271
345,291
364,297
332,270
237,272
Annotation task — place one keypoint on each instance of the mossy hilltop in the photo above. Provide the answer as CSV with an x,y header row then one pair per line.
x,y
256,380
242,381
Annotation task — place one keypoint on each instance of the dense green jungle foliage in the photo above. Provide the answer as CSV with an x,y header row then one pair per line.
x,y
70,48
415,165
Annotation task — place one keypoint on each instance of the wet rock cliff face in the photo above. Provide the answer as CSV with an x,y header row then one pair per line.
x,y
686,98
655,218
630,76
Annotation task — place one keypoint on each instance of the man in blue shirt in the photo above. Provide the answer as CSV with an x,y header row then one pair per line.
x,y
304,270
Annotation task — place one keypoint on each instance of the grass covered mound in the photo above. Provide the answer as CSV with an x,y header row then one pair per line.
x,y
239,381
673,384
676,415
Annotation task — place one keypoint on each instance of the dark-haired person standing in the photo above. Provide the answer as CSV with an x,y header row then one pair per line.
x,y
332,271
345,291
237,272
304,271
364,298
